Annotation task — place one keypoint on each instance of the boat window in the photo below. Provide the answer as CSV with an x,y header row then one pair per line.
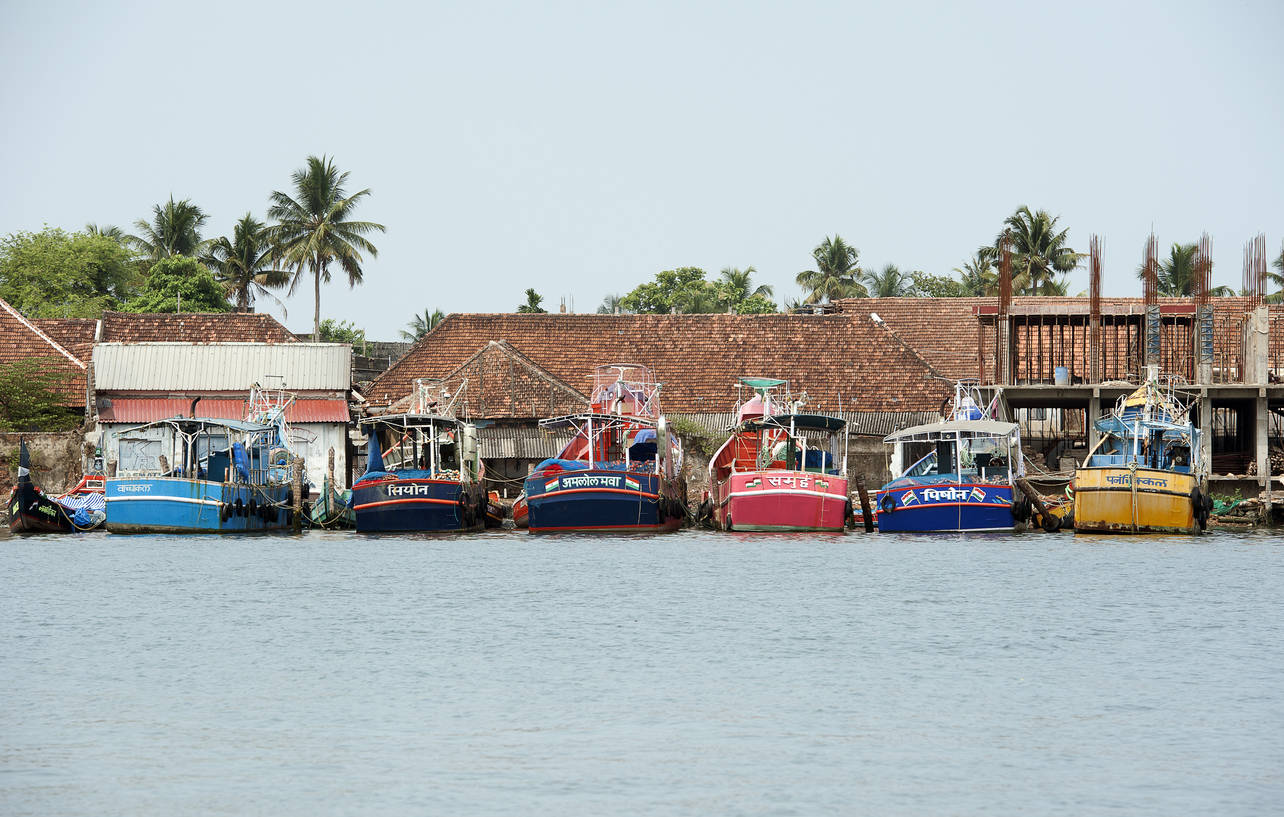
x,y
945,457
924,467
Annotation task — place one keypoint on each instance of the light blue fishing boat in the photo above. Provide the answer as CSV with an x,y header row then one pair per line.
x,y
204,475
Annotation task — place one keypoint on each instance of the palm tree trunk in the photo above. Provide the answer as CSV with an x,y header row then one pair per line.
x,y
316,312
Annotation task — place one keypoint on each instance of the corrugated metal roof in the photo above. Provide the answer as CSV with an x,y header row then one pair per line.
x,y
221,366
148,409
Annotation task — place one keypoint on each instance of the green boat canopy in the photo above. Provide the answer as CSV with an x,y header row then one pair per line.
x,y
804,422
762,382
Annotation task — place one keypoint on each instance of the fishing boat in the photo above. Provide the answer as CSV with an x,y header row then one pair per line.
x,y
31,510
1145,474
780,469
332,508
423,470
621,470
204,475
960,475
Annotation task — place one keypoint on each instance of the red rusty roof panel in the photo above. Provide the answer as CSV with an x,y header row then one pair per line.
x,y
150,409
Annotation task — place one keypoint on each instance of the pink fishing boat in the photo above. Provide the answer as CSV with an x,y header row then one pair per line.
x,y
781,469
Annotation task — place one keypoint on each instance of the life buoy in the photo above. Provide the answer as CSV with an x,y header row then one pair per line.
x,y
887,503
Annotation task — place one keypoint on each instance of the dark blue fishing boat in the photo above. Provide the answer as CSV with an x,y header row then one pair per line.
x,y
621,471
423,472
961,476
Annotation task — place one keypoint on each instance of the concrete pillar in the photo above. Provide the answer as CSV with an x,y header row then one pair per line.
x,y
1261,442
1257,347
1094,414
1206,429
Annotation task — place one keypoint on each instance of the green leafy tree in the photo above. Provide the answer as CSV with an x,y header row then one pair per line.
x,y
1177,273
755,305
55,274
180,284
422,324
925,285
29,400
837,272
175,229
684,289
243,264
1039,252
532,305
333,331
315,229
890,282
610,305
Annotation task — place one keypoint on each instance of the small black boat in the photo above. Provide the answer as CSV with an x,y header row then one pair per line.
x,y
31,510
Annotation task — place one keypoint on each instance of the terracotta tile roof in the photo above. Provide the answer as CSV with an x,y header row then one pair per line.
x,y
194,327
76,335
698,358
21,339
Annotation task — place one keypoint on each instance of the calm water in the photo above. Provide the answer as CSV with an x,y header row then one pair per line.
x,y
694,673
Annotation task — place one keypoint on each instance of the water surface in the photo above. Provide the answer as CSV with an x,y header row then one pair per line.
x,y
692,673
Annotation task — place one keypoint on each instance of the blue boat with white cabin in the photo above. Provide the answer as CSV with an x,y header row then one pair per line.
x,y
961,473
202,474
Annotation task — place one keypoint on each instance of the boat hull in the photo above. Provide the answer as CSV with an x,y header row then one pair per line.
x,y
30,511
944,507
603,501
780,500
411,505
1120,500
180,505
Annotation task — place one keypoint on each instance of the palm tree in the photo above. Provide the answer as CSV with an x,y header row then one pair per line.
x,y
890,283
977,275
107,231
421,325
1277,278
243,265
610,305
739,283
1177,273
533,301
175,229
699,300
314,228
1039,252
836,274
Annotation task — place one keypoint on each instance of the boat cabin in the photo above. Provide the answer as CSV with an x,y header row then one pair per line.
x,y
958,451
429,445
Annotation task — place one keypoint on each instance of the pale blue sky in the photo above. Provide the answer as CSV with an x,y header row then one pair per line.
x,y
582,147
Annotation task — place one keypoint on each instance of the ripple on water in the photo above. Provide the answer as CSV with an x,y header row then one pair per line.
x,y
693,673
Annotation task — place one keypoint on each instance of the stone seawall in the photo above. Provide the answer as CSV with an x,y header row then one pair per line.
x,y
56,459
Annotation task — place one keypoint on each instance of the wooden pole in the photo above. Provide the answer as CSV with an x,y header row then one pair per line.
x,y
1035,499
296,484
866,513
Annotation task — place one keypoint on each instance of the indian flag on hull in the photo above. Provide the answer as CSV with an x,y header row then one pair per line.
x,y
632,484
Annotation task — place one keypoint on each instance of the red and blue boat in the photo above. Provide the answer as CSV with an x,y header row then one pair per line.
x,y
620,473
423,471
781,469
961,472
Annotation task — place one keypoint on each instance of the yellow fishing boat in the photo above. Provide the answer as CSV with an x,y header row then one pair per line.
x,y
1145,475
